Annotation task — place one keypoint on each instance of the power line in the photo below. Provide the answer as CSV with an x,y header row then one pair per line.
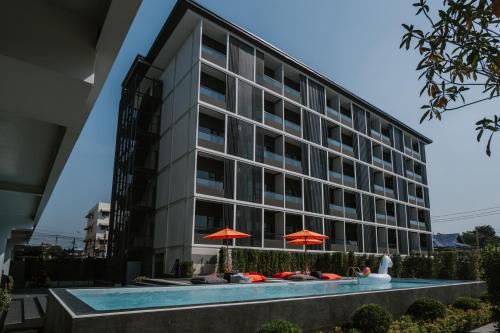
x,y
466,217
467,212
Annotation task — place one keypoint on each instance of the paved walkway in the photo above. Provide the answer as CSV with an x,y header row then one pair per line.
x,y
490,328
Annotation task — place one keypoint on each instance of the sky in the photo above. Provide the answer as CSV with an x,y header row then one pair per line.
x,y
354,43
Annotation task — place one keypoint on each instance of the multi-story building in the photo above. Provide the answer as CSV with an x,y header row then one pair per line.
x,y
218,128
96,230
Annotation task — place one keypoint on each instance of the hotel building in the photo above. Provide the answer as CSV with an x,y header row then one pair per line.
x,y
217,128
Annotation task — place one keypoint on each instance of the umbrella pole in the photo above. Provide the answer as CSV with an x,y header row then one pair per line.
x,y
305,256
227,255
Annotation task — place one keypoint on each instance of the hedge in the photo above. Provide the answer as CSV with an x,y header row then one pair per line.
x,y
463,265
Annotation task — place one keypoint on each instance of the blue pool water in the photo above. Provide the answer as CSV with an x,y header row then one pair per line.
x,y
149,297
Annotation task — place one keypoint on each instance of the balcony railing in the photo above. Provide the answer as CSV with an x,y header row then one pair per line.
x,y
204,135
350,210
347,147
380,216
292,125
332,113
292,92
378,187
378,159
348,178
215,184
420,201
333,142
273,195
272,117
272,156
335,174
210,53
410,173
293,162
336,208
272,82
389,191
375,133
387,164
346,118
293,199
213,94
413,223
412,197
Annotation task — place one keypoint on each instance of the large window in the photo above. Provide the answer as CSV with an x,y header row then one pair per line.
x,y
211,217
249,183
240,138
370,239
249,220
312,196
293,223
354,237
249,101
274,229
334,229
241,58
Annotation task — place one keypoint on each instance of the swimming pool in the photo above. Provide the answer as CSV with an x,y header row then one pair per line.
x,y
152,297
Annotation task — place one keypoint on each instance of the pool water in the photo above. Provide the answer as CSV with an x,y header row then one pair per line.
x,y
149,297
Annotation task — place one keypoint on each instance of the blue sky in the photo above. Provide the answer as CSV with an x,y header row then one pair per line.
x,y
355,43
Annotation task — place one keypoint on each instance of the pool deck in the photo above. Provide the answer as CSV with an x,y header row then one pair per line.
x,y
64,314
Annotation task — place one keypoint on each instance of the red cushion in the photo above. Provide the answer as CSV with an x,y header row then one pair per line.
x,y
255,277
283,275
330,276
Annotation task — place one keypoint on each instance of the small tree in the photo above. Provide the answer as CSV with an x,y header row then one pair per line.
x,y
461,51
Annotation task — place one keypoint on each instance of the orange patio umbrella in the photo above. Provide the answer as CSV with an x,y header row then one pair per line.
x,y
226,234
305,237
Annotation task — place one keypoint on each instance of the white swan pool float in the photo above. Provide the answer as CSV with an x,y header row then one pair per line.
x,y
366,277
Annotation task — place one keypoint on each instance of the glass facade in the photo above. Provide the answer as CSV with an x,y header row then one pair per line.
x,y
313,159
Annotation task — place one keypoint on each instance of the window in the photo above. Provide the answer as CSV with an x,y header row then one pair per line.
x,y
239,138
241,59
249,183
249,101
249,220
353,235
211,217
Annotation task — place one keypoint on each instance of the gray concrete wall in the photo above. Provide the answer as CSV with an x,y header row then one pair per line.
x,y
176,166
311,314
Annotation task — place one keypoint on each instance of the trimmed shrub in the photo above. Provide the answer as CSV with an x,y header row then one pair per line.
x,y
186,269
5,299
279,326
467,303
397,266
427,308
371,318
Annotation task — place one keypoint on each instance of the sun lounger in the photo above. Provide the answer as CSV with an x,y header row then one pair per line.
x,y
167,282
208,279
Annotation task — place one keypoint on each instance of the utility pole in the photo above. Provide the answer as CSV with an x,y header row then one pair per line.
x,y
56,239
73,249
477,239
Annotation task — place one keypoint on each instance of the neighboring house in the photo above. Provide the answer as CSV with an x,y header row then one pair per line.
x,y
96,238
219,128
448,241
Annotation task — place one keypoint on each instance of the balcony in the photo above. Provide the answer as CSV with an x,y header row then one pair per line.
x,y
347,149
336,210
412,198
293,202
292,93
207,138
420,201
332,113
334,144
273,158
210,186
349,180
272,83
387,165
391,219
414,223
351,212
335,176
378,161
293,164
272,120
212,96
381,218
375,134
273,198
389,192
410,174
379,189
215,56
292,128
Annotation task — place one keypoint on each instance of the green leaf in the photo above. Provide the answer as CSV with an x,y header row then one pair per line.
x,y
424,116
